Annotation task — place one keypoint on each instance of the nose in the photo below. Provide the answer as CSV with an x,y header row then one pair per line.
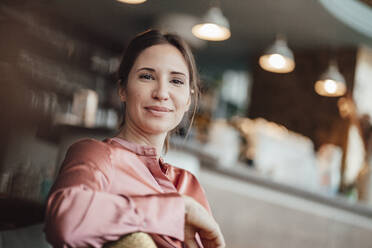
x,y
161,90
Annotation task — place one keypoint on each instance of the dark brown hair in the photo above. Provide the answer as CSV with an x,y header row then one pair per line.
x,y
155,37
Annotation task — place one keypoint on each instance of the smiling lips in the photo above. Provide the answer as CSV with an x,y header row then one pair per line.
x,y
158,110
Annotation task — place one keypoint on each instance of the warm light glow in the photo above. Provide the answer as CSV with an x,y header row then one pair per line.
x,y
276,63
211,31
132,1
330,87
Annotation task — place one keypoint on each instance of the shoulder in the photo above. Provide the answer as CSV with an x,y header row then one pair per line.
x,y
88,150
88,143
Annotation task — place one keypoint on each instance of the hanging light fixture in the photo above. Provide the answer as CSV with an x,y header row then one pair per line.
x,y
331,83
214,26
132,1
278,57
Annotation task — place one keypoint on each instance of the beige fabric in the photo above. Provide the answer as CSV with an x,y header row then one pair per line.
x,y
138,240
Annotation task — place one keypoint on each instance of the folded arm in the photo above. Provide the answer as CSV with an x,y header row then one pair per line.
x,y
81,212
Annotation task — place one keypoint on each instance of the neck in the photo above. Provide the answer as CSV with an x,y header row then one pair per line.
x,y
133,135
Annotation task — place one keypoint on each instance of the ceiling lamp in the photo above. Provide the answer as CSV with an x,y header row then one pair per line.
x,y
180,24
132,1
214,26
278,57
331,83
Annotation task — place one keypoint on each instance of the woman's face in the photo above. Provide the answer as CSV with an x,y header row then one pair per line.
x,y
157,94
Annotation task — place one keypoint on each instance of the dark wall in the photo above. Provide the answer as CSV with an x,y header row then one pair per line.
x,y
290,99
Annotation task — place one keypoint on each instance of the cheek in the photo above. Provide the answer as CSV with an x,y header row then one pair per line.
x,y
183,106
182,102
135,95
183,97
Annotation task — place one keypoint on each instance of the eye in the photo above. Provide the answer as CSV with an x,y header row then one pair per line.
x,y
146,76
177,81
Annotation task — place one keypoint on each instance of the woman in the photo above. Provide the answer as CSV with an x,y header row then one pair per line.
x,y
119,186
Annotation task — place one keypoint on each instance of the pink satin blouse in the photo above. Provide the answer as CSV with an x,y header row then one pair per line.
x,y
110,188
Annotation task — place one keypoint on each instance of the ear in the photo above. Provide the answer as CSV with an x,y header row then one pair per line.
x,y
122,94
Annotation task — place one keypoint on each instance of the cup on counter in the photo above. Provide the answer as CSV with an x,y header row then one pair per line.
x,y
85,105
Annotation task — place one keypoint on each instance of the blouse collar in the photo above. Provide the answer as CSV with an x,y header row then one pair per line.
x,y
142,150
136,148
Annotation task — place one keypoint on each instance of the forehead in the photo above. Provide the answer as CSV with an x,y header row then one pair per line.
x,y
162,57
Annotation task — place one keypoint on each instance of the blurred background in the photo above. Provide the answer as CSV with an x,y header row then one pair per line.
x,y
282,138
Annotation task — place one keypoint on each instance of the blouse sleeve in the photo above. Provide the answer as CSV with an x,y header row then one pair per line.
x,y
81,212
187,184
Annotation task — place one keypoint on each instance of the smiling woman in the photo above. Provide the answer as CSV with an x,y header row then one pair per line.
x,y
157,95
170,49
109,189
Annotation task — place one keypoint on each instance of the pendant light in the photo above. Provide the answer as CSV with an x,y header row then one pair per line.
x,y
214,26
278,57
331,83
132,1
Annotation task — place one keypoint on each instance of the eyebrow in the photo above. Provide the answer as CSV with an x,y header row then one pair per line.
x,y
178,73
145,68
153,70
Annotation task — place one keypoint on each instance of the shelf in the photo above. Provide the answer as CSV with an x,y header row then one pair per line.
x,y
56,132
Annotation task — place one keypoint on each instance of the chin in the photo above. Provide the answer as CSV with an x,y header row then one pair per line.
x,y
158,128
